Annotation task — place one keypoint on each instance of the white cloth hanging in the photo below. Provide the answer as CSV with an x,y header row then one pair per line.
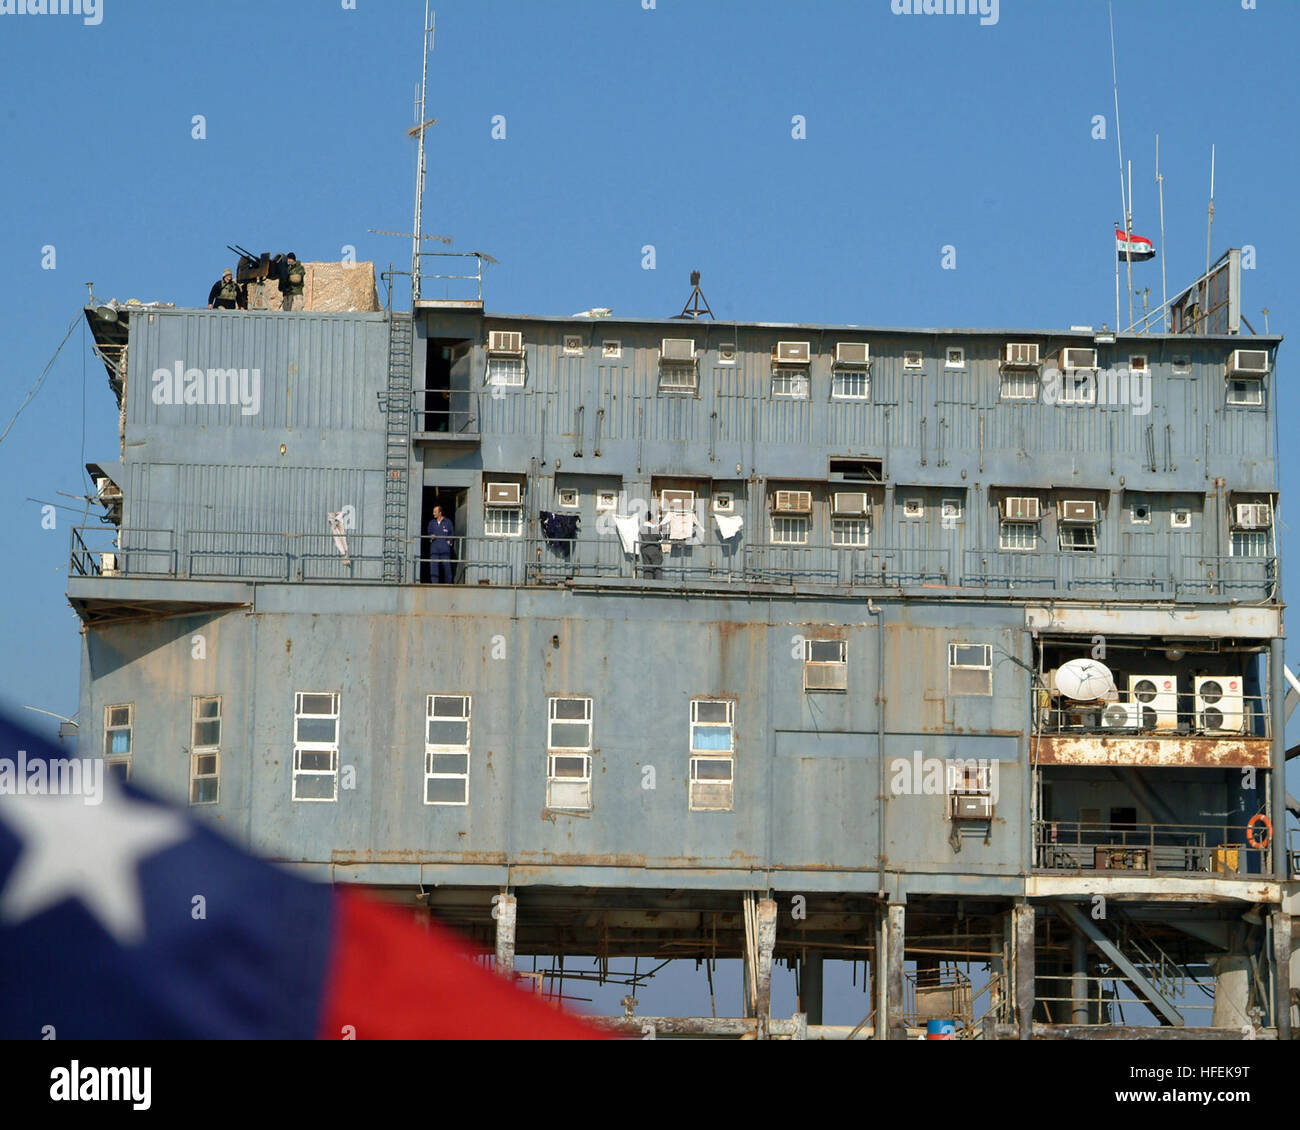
x,y
681,524
628,532
340,536
728,525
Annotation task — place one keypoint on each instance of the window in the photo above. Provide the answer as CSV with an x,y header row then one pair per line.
x,y
825,665
851,384
1019,384
572,344
117,730
1249,543
1245,390
727,353
606,500
1022,536
970,669
913,359
611,350
954,358
1078,537
1078,386
119,768
913,508
713,748
788,530
505,371
205,751
1180,519
503,521
852,532
790,382
446,750
315,746
567,498
568,755
678,377
950,512
1140,515
1182,365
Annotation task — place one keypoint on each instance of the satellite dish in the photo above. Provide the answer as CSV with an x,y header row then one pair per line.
x,y
1084,680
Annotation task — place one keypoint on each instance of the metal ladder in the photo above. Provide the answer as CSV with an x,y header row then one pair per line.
x,y
398,454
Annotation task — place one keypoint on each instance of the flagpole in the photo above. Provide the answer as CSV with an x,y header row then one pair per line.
x,y
1119,143
1164,298
1128,251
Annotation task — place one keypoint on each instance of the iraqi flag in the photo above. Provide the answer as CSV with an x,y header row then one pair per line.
x,y
123,918
1133,248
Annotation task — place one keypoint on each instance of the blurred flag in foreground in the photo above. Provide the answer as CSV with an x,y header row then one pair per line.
x,y
123,918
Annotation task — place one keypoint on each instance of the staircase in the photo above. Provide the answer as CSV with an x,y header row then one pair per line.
x,y
398,454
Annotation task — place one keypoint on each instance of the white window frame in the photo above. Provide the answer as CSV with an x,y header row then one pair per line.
x,y
557,753
572,345
957,506
1255,402
437,749
606,500
697,801
913,359
201,750
1078,386
959,362
498,514
1004,527
851,533
727,346
913,508
1247,539
1133,509
575,495
1182,365
506,372
127,727
985,664
315,747
809,662
1014,382
1174,523
685,378
611,350
796,381
844,380
778,523
1069,530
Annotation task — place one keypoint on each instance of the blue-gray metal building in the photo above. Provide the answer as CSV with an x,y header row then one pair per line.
x,y
748,640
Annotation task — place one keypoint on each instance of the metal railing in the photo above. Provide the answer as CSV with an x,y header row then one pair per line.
x,y
1106,995
1208,849
109,551
476,278
1246,716
445,413
283,557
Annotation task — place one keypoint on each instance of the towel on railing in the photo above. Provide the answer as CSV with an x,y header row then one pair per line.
x,y
627,532
728,525
340,536
560,530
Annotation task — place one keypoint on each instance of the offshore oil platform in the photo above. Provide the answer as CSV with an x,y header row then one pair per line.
x,y
954,653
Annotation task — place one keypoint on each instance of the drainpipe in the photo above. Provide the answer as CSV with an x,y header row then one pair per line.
x,y
1277,781
878,613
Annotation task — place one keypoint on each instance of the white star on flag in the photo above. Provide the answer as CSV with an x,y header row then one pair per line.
x,y
89,852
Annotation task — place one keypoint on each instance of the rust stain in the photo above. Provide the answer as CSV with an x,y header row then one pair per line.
x,y
1208,753
288,646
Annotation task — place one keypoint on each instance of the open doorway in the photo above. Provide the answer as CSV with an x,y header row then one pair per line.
x,y
454,504
446,385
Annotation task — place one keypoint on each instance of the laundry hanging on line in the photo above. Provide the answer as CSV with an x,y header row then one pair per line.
x,y
728,525
628,532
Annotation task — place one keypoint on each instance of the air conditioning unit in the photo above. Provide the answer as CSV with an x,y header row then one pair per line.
x,y
1078,358
1122,716
1020,509
676,500
968,806
724,502
507,342
1219,704
1251,516
792,353
108,565
503,494
825,676
1020,355
677,349
853,503
793,501
853,353
1078,511
1156,696
107,490
1253,362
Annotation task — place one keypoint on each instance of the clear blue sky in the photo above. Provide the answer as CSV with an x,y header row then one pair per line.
x,y
624,127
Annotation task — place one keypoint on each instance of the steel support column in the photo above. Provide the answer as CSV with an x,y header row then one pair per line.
x,y
810,987
1282,973
504,909
895,1024
1022,967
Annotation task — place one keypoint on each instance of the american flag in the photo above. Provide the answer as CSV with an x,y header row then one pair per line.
x,y
121,917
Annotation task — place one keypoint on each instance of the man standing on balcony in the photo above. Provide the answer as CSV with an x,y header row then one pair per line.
x,y
440,533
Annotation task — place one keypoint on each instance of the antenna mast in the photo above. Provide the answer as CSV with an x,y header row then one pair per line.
x,y
1209,224
1126,217
421,124
1164,297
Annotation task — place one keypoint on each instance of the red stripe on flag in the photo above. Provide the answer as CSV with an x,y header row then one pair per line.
x,y
391,979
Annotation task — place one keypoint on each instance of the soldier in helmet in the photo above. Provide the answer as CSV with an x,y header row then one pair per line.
x,y
292,276
224,294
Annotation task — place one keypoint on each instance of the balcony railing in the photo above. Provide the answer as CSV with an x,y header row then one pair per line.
x,y
445,414
1206,849
241,554
1245,716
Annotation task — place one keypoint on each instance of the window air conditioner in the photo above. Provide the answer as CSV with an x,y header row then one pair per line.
x,y
850,503
968,806
506,342
1122,716
503,494
677,500
1157,698
793,501
1219,704
1021,509
681,349
853,353
1020,355
792,353
1253,362
1078,511
1251,516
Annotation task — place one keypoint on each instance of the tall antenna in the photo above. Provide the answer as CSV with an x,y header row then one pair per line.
x,y
421,124
1164,297
1209,224
1128,250
1127,219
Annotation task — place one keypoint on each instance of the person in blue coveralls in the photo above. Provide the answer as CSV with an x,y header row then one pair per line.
x,y
440,533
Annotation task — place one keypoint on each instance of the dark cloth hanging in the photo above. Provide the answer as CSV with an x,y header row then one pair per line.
x,y
560,530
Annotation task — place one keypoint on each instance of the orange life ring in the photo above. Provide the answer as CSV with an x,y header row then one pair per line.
x,y
1257,819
